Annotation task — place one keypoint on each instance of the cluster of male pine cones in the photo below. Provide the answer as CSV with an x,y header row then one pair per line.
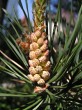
x,y
36,45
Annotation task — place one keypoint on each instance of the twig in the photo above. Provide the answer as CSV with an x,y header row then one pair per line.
x,y
11,60
19,81
54,50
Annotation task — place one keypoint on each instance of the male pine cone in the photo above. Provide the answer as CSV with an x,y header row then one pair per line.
x,y
39,58
37,44
39,64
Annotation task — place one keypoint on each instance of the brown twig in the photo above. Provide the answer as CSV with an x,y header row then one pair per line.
x,y
11,60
